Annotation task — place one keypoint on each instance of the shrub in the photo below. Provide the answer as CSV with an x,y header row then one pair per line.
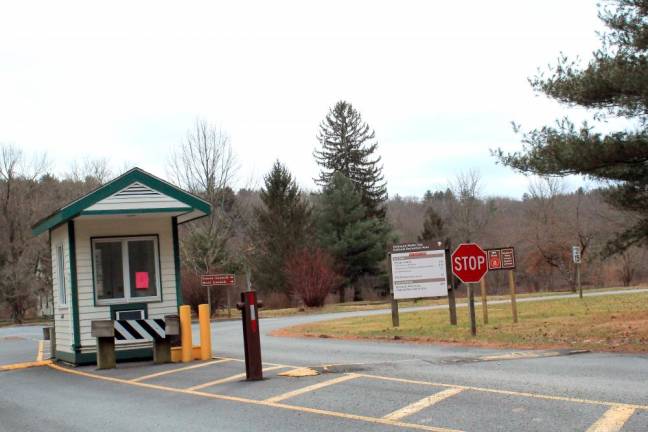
x,y
311,276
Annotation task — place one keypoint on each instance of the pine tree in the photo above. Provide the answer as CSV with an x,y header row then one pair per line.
x,y
348,147
358,243
282,226
433,227
612,84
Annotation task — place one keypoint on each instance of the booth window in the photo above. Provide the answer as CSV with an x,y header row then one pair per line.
x,y
126,269
60,269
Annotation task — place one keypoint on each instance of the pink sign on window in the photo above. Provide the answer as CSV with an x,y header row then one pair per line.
x,y
141,280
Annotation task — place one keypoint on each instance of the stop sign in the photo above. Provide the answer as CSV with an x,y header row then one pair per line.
x,y
469,262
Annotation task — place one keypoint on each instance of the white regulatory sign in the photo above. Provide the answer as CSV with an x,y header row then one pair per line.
x,y
419,274
576,254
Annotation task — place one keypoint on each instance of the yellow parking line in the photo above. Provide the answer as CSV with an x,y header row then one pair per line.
x,y
422,404
613,419
508,392
39,354
228,379
172,371
25,365
372,420
311,388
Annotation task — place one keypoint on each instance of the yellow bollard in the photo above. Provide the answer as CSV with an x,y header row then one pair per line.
x,y
185,333
205,332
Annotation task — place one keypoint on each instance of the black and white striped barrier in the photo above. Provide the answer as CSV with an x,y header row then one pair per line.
x,y
157,331
140,329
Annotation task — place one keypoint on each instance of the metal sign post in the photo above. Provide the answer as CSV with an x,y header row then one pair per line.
x,y
469,265
576,257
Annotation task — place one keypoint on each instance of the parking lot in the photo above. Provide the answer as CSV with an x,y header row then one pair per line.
x,y
362,395
357,386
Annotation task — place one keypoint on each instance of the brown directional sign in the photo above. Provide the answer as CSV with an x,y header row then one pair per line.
x,y
217,279
501,258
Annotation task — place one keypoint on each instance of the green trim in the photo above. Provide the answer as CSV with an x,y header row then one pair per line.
x,y
74,290
128,307
176,259
135,211
81,359
135,175
66,357
94,287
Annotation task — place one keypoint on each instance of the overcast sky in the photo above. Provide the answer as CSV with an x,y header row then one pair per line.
x,y
439,81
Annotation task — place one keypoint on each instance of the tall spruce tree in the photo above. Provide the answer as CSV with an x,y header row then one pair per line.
x,y
433,228
282,226
348,146
357,242
614,83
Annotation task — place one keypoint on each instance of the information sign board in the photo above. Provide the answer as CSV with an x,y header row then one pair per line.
x,y
418,273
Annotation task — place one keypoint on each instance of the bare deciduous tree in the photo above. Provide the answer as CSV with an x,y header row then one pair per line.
x,y
19,251
204,163
470,214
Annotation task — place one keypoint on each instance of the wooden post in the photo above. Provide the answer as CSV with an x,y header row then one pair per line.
x,y
106,353
162,347
482,286
104,332
452,303
471,307
229,301
578,281
512,287
162,350
394,302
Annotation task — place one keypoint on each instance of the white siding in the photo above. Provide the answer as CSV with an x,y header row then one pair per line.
x,y
62,313
88,228
136,196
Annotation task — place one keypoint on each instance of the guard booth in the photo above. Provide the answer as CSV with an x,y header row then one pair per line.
x,y
115,255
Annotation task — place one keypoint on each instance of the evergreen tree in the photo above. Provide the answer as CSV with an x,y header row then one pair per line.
x,y
348,146
357,242
282,227
613,84
433,227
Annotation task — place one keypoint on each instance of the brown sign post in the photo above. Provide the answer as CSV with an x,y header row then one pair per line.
x,y
504,259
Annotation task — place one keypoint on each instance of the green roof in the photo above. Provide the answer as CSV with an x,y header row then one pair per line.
x,y
76,207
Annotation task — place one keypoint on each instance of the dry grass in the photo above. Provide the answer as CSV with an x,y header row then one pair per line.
x,y
385,304
607,323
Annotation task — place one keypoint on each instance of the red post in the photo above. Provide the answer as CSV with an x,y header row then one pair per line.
x,y
249,308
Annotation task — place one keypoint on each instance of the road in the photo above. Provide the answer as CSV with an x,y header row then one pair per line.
x,y
367,386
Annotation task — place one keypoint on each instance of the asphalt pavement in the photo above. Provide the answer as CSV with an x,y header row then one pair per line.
x,y
361,385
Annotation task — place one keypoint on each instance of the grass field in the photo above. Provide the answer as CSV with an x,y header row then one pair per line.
x,y
606,323
385,304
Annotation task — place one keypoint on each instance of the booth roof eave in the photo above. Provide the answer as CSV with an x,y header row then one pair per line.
x,y
195,206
